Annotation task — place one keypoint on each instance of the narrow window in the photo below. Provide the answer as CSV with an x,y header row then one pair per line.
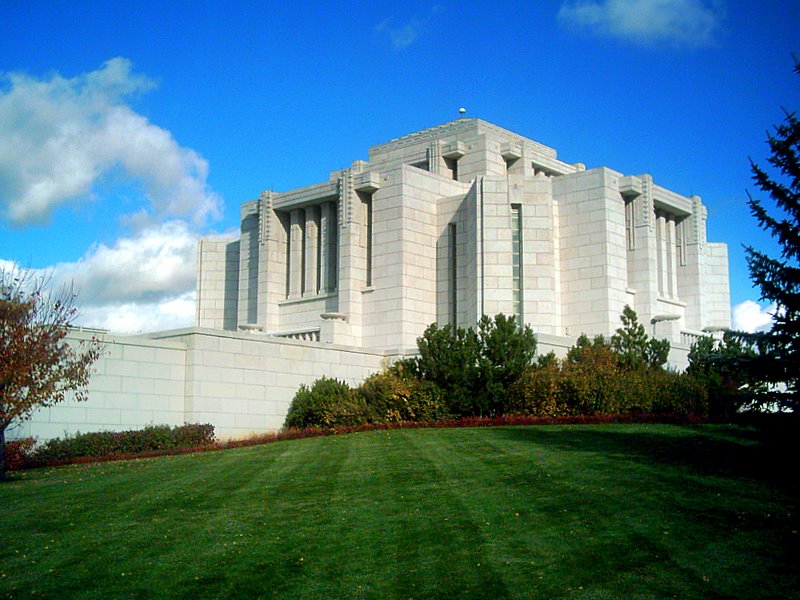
x,y
680,231
368,203
453,276
630,225
287,226
516,260
333,258
303,257
320,266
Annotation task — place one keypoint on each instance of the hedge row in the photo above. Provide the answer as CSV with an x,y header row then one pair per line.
x,y
491,373
153,438
386,397
603,386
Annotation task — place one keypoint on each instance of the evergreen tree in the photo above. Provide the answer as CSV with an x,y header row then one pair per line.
x,y
633,345
720,365
778,361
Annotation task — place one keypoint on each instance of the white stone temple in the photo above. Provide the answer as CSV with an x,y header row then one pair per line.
x,y
456,221
338,278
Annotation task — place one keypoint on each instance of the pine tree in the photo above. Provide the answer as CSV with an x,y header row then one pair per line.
x,y
633,345
779,278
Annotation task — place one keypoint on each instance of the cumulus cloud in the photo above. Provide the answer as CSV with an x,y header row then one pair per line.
x,y
692,23
155,264
750,316
61,136
141,283
139,317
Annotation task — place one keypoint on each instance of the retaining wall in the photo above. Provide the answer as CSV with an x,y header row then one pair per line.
x,y
241,383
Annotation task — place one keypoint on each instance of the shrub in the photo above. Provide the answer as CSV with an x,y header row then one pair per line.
x,y
448,357
590,379
327,403
538,392
393,396
18,452
105,443
677,393
595,379
473,369
506,350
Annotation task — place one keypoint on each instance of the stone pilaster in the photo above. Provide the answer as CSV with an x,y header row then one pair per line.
x,y
296,253
311,251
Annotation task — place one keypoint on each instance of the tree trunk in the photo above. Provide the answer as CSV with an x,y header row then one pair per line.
x,y
2,453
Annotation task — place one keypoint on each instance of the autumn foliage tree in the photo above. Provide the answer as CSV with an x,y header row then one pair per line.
x,y
38,366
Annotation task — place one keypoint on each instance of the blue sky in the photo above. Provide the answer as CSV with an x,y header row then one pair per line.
x,y
128,129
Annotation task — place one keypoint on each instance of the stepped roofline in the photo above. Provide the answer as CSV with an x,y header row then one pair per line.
x,y
459,126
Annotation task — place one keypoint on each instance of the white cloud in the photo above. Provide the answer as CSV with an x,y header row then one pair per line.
x,y
750,316
140,283
139,317
157,263
60,136
680,22
405,34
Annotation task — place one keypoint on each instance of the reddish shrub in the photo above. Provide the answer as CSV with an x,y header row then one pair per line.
x,y
18,453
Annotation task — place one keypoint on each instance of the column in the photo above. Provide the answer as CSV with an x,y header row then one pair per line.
x,y
296,253
661,231
311,251
672,267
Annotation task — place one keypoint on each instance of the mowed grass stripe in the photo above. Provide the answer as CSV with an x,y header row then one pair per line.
x,y
592,511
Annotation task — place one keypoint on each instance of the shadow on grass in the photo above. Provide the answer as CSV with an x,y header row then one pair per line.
x,y
731,451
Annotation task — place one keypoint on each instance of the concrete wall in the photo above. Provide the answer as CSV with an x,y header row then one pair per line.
x,y
137,381
241,383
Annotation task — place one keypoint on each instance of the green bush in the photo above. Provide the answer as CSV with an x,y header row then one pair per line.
x,y
596,379
327,403
475,370
392,396
538,392
590,380
107,443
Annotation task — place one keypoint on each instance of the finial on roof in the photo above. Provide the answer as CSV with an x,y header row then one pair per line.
x,y
462,111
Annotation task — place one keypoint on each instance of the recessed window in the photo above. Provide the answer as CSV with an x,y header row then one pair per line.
x,y
516,260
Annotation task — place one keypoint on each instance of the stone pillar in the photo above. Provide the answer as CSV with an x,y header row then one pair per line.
x,y
324,253
311,250
296,254
661,234
672,266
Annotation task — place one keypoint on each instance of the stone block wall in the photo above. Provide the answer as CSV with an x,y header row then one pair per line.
x,y
241,383
137,382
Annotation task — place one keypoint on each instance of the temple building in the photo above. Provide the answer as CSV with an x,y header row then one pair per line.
x,y
444,225
456,221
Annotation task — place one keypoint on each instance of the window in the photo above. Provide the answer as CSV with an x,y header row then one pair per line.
x,y
630,225
516,260
368,203
453,275
333,248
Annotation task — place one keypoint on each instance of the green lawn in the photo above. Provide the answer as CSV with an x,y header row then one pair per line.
x,y
596,511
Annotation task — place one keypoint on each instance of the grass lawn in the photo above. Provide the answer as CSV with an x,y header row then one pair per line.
x,y
595,511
